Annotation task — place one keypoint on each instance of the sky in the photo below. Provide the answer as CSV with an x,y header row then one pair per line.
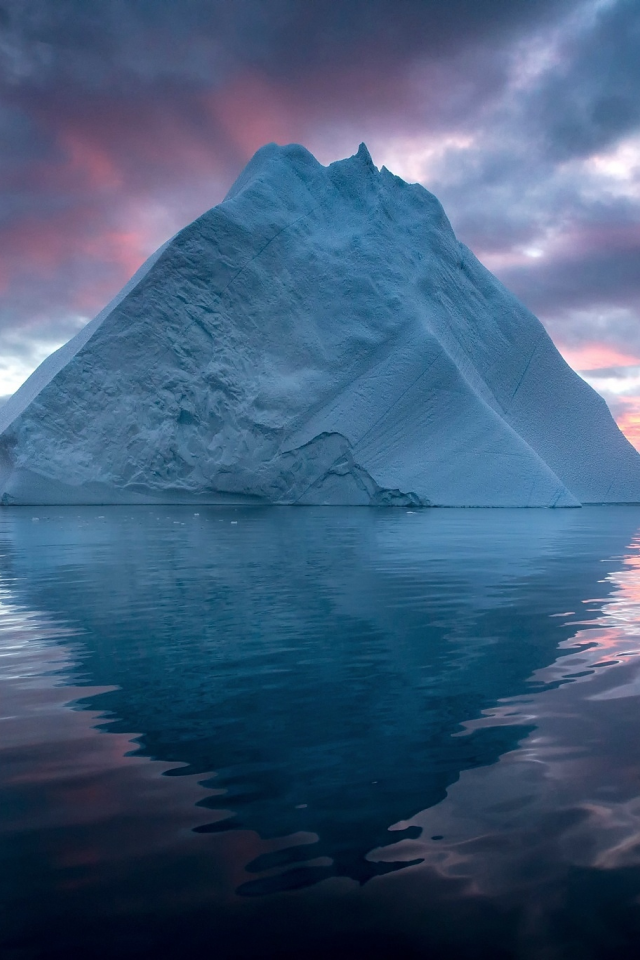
x,y
122,120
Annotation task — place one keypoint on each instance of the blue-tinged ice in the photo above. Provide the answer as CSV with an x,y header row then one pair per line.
x,y
318,337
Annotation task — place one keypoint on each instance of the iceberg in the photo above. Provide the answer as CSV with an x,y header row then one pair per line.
x,y
319,337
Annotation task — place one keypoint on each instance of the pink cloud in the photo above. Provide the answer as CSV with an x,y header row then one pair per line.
x,y
253,111
90,161
597,356
123,174
629,420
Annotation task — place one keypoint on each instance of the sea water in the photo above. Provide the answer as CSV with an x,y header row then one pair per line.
x,y
319,732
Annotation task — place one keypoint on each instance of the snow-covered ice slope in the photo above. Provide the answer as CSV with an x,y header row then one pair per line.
x,y
319,337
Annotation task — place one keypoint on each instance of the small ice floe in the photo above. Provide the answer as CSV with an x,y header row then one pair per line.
x,y
35,518
301,806
234,521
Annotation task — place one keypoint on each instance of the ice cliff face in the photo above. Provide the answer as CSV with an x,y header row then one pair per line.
x,y
319,337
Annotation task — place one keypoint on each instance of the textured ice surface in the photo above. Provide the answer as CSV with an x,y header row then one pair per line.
x,y
318,337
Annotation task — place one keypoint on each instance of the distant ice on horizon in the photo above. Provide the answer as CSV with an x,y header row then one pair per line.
x,y
319,337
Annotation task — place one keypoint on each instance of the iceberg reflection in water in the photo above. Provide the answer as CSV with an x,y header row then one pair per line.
x,y
287,732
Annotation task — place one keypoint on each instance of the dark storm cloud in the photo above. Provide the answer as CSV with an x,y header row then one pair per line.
x,y
589,243
532,183
99,43
600,268
132,62
592,98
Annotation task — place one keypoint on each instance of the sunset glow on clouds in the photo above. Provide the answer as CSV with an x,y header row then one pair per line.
x,y
615,375
123,121
597,356
629,420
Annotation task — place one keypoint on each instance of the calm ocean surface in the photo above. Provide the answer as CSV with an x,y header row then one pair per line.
x,y
308,733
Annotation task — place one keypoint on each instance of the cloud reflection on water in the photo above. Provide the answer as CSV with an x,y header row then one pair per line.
x,y
572,784
479,666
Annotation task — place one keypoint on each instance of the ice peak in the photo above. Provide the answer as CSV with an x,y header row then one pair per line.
x,y
364,155
270,155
